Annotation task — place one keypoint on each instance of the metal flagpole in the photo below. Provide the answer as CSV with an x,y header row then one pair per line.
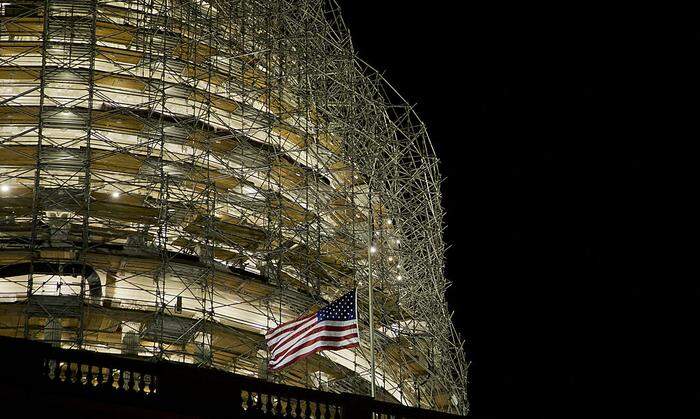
x,y
371,249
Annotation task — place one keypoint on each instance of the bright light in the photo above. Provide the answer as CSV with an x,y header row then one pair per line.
x,y
391,258
388,221
5,188
373,249
116,194
399,277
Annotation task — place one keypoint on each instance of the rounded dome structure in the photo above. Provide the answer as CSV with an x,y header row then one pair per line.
x,y
178,176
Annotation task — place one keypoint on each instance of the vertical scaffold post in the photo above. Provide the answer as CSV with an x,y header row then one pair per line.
x,y
370,286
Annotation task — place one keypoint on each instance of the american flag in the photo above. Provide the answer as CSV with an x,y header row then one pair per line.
x,y
332,327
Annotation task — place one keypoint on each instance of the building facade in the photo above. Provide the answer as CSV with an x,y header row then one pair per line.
x,y
178,176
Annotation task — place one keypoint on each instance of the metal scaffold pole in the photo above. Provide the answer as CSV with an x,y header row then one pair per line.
x,y
371,249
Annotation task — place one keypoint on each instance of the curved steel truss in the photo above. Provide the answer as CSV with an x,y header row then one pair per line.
x,y
176,176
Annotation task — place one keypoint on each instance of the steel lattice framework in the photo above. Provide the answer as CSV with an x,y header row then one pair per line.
x,y
177,176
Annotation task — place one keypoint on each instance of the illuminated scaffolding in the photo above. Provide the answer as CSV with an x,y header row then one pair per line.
x,y
177,176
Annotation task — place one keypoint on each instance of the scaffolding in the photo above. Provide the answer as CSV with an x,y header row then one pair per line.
x,y
178,176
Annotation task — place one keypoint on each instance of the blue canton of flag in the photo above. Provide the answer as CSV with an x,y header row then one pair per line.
x,y
341,309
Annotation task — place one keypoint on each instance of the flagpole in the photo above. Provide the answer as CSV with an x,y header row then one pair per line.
x,y
371,298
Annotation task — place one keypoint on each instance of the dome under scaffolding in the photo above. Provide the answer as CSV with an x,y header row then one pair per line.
x,y
178,176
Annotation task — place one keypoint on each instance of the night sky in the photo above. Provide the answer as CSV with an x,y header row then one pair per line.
x,y
544,127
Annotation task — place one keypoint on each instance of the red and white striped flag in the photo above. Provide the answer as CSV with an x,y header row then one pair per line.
x,y
330,328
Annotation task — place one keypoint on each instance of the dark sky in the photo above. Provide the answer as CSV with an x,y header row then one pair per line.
x,y
543,121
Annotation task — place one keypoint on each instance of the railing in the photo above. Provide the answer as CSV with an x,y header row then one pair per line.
x,y
75,380
98,372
